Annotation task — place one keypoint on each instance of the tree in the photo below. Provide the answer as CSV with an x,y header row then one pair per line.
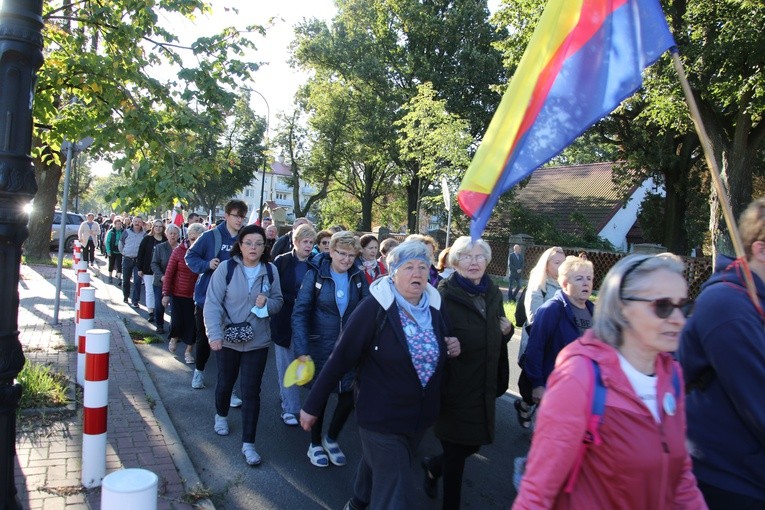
x,y
388,47
99,79
433,143
227,157
652,131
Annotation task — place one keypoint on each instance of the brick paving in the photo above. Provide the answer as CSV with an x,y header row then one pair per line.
x,y
139,431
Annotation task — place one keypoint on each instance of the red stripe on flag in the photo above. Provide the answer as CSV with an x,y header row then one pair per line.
x,y
94,420
593,14
96,367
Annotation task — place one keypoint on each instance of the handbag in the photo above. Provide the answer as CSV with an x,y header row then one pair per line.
x,y
238,332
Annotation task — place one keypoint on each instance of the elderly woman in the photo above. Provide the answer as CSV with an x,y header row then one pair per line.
x,y
367,261
331,290
432,245
243,289
558,322
159,260
178,288
292,268
641,460
322,242
143,261
543,284
401,356
473,307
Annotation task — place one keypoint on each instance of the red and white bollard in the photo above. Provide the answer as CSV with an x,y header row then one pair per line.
x,y
83,280
95,406
76,252
86,322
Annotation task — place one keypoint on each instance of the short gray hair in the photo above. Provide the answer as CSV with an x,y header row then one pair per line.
x,y
463,245
627,277
173,226
196,228
406,251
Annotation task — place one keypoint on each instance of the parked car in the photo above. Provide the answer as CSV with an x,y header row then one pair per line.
x,y
73,221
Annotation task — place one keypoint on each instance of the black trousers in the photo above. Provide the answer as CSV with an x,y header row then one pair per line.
x,y
89,253
203,344
339,417
451,466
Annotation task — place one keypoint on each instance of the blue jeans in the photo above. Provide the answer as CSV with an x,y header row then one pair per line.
x,y
252,365
159,310
130,269
290,396
384,477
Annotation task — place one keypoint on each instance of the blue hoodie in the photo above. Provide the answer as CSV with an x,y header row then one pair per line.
x,y
200,254
724,342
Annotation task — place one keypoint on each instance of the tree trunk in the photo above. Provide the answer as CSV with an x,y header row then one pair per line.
x,y
367,201
41,217
412,203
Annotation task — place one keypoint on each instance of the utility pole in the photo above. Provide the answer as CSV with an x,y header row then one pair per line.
x,y
21,56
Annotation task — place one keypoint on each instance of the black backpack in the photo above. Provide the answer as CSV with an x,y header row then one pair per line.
x,y
520,308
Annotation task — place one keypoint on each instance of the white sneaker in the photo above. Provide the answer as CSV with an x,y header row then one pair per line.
x,y
250,455
290,420
221,425
235,401
198,381
336,455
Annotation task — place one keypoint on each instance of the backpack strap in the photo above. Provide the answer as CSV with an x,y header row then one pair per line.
x,y
594,420
218,242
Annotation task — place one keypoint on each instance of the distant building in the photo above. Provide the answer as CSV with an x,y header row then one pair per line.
x,y
558,192
276,191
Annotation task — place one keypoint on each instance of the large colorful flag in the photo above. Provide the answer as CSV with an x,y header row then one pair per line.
x,y
584,58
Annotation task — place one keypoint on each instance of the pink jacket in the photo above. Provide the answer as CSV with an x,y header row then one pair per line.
x,y
640,464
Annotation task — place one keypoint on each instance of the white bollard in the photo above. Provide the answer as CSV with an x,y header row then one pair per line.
x,y
86,322
95,406
76,252
129,489
83,280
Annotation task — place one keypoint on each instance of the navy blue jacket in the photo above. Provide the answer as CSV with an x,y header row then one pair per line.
x,y
389,396
200,254
723,343
316,321
281,323
554,328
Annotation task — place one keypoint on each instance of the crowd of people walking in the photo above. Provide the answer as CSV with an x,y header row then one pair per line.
x,y
639,404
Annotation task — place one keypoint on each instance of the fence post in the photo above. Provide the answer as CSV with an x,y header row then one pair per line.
x,y
95,407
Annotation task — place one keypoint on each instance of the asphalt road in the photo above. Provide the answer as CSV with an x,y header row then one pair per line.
x,y
286,479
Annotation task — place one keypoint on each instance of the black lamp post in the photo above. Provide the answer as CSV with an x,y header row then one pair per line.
x,y
21,56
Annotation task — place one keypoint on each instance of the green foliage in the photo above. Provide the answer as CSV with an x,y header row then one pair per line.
x,y
99,79
43,387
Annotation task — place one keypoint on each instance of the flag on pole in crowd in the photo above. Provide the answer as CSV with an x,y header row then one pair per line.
x,y
584,58
178,215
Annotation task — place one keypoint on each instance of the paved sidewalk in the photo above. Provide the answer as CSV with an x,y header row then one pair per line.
x,y
139,430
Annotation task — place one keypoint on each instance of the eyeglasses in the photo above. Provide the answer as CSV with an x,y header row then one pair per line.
x,y
345,255
470,258
236,216
324,243
253,244
663,307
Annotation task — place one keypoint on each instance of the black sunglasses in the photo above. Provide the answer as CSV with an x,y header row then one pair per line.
x,y
663,307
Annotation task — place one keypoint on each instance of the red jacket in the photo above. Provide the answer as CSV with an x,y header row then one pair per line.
x,y
640,464
179,279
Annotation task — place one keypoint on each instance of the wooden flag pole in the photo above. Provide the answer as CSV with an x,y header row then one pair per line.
x,y
706,144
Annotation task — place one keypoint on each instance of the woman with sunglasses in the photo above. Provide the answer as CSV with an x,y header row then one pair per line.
x,y
332,288
641,460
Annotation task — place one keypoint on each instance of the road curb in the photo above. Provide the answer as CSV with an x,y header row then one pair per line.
x,y
177,451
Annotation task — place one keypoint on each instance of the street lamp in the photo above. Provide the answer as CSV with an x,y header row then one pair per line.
x,y
21,56
72,149
263,180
